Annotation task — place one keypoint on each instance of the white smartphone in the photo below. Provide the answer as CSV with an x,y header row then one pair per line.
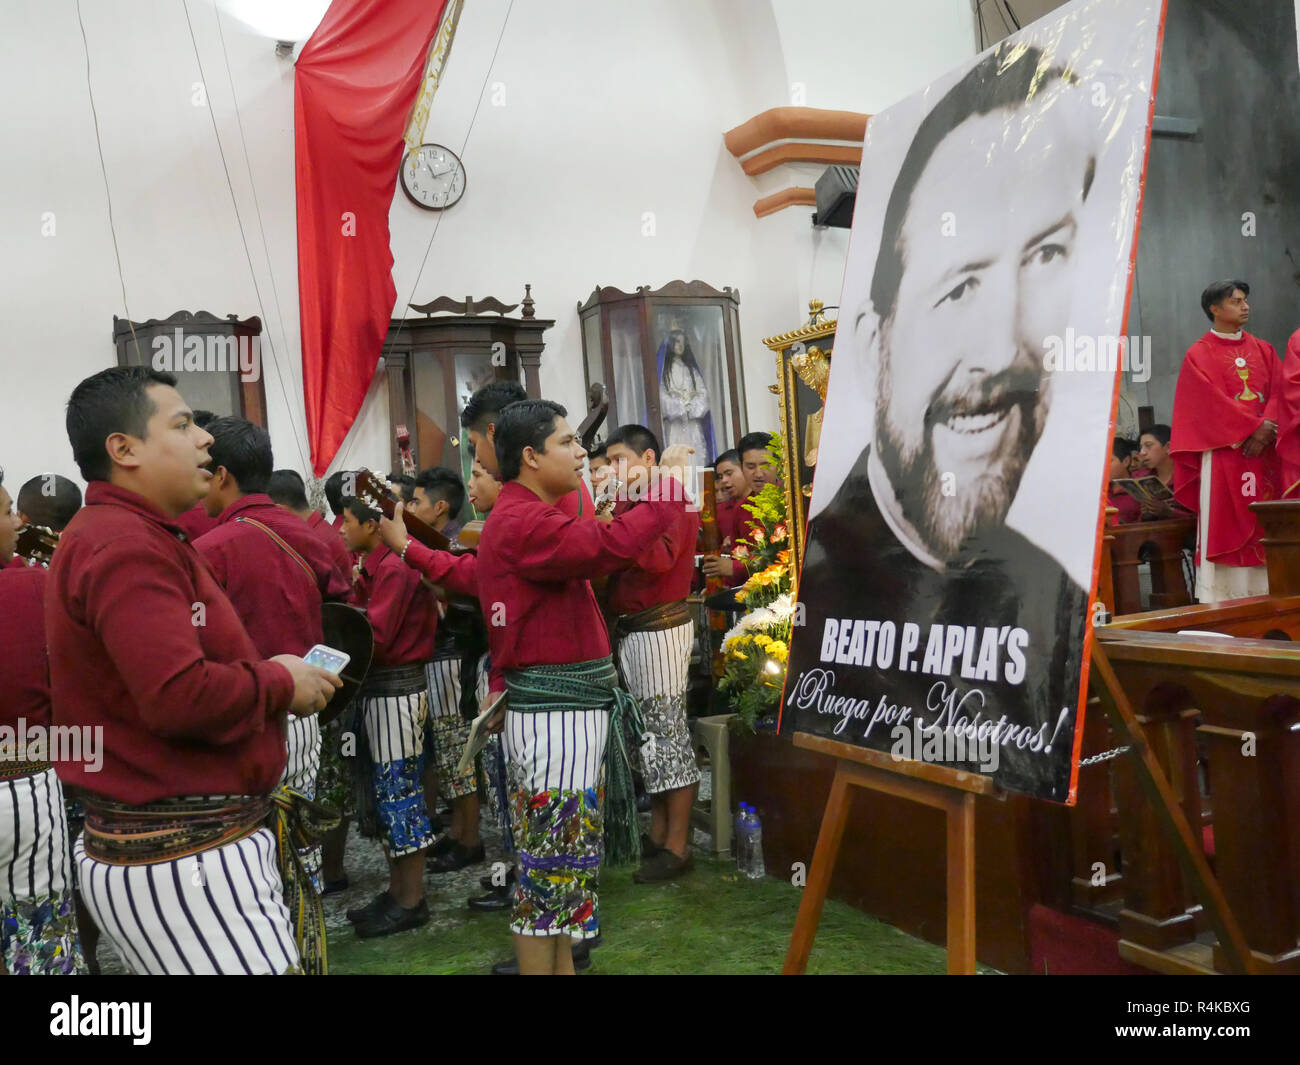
x,y
327,658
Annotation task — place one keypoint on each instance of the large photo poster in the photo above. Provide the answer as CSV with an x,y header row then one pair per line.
x,y
944,598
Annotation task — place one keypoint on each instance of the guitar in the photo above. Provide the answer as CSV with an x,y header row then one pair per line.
x,y
36,544
711,543
379,495
404,450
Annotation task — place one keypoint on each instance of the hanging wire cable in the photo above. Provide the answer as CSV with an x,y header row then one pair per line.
x,y
461,153
266,251
1007,5
99,143
243,236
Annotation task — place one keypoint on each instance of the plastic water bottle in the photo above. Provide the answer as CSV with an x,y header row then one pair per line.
x,y
754,868
738,836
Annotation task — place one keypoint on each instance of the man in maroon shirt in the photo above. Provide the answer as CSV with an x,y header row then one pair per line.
x,y
550,652
38,920
394,709
275,570
654,634
178,868
286,489
437,498
479,420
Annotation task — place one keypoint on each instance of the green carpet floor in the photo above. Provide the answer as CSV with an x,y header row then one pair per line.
x,y
711,921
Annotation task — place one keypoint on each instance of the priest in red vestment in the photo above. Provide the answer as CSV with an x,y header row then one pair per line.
x,y
1224,426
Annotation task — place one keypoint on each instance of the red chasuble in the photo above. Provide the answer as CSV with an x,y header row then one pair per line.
x,y
1215,410
1288,419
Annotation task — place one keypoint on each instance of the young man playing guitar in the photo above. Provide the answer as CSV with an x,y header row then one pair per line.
x,y
653,637
177,866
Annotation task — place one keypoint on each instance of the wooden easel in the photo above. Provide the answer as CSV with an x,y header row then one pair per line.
x,y
950,790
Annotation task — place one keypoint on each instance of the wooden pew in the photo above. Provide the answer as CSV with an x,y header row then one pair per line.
x,y
1159,543
1243,698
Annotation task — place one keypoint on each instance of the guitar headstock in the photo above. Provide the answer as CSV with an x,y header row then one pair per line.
x,y
36,544
376,492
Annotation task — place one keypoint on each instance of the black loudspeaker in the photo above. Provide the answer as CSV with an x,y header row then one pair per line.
x,y
836,190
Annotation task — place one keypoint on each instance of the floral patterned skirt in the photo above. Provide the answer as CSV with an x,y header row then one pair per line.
x,y
38,921
556,790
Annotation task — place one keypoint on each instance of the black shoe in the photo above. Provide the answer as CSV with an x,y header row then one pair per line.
x,y
333,887
393,918
373,908
649,848
486,881
457,858
664,866
493,902
581,961
441,846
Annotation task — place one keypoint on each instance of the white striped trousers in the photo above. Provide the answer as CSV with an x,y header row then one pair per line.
x,y
395,725
218,912
303,741
562,749
657,663
34,856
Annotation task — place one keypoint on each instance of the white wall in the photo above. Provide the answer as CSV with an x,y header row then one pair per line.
x,y
611,110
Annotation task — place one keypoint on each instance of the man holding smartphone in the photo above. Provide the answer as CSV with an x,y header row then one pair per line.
x,y
146,649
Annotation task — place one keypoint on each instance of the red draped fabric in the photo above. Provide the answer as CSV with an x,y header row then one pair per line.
x,y
354,85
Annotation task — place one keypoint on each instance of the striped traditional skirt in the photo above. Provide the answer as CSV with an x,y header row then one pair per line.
x,y
38,920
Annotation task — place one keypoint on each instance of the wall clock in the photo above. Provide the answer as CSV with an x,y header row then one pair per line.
x,y
434,178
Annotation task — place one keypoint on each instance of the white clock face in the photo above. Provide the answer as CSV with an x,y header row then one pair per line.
x,y
434,178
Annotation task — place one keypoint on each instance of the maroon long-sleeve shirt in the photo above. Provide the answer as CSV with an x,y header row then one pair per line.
x,y
24,666
333,541
145,644
533,566
402,610
662,572
277,600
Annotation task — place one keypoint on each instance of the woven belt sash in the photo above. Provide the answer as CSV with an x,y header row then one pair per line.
x,y
14,769
298,823
588,686
167,829
655,618
394,680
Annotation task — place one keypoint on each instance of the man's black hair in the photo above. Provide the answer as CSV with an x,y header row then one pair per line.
x,y
404,483
489,401
636,437
1219,291
1160,432
334,492
49,500
286,487
731,455
244,449
437,483
756,441
1122,448
524,424
362,512
115,400
1009,76
202,418
598,450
